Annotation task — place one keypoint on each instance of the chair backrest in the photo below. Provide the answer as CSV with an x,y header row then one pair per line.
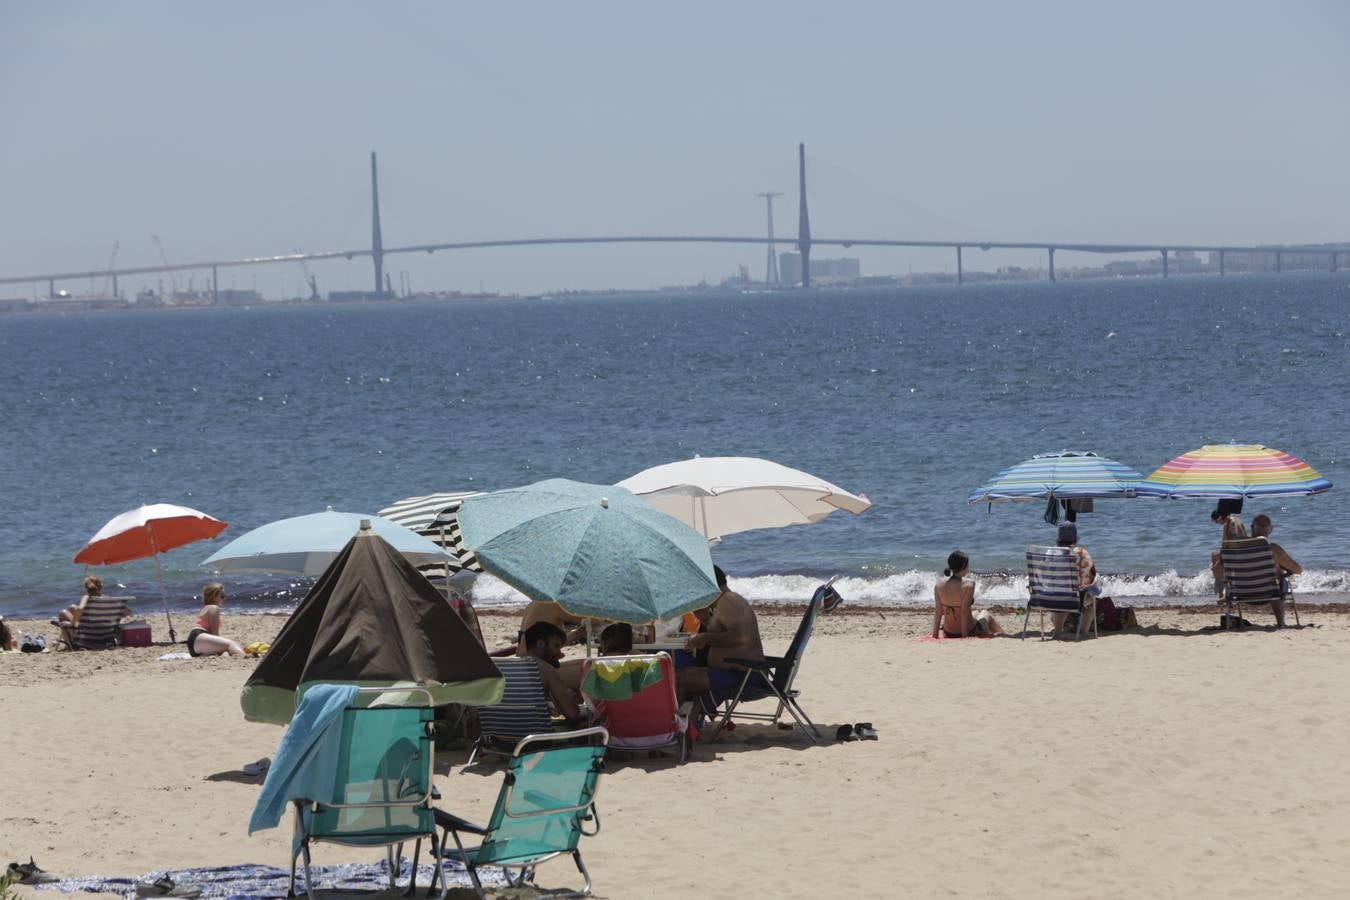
x,y
382,781
1249,569
98,622
648,713
784,675
1052,578
524,706
545,796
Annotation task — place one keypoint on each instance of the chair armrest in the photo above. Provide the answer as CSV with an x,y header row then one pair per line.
x,y
455,823
758,665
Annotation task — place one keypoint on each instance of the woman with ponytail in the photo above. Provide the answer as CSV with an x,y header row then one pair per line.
x,y
954,600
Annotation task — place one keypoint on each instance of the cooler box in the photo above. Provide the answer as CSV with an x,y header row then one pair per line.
x,y
134,634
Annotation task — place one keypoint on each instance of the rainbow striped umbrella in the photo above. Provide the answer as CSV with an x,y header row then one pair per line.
x,y
1066,475
1233,470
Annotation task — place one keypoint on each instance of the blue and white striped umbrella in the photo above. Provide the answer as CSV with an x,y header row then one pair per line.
x,y
1067,475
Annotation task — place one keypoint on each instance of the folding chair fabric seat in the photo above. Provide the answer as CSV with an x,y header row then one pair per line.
x,y
649,719
381,787
1052,584
773,677
547,794
97,628
1251,576
523,710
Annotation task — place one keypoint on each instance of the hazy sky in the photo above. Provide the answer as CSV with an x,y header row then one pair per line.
x,y
244,128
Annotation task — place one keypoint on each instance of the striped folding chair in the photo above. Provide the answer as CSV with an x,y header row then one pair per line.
x,y
97,629
522,712
1251,576
1052,580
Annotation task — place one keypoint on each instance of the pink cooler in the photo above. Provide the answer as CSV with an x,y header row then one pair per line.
x,y
134,634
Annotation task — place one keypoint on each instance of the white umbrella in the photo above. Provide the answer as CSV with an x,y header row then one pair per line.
x,y
720,495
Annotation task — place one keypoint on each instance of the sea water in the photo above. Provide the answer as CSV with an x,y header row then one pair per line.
x,y
913,397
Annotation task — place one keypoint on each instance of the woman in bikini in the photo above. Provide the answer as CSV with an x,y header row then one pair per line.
x,y
204,639
953,601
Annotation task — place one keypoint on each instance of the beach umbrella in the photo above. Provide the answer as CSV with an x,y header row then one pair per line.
x,y
371,619
1066,475
721,495
1216,471
306,545
436,517
597,550
149,531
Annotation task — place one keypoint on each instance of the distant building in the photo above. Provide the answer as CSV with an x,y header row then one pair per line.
x,y
844,270
233,297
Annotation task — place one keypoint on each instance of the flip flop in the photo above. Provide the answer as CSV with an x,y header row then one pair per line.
x,y
30,873
258,768
845,733
164,887
865,731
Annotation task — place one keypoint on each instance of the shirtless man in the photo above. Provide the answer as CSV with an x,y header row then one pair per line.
x,y
1261,528
731,632
544,642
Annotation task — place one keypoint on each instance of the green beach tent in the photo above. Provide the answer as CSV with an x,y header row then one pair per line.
x,y
371,619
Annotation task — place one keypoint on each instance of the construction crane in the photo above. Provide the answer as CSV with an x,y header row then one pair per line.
x,y
309,278
110,283
173,282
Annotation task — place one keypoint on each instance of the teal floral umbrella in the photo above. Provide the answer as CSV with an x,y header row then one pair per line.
x,y
597,550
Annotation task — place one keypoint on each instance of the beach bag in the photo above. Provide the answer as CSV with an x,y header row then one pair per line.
x,y
33,643
1128,622
1108,617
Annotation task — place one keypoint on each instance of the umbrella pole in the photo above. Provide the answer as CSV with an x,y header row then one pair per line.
x,y
159,576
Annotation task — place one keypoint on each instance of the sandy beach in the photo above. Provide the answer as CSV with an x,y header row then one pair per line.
x,y
1172,761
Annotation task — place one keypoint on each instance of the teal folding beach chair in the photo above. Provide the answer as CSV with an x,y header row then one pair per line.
x,y
545,806
1052,581
1251,576
382,791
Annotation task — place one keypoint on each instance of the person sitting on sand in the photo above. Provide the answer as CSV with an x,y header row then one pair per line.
x,y
616,639
953,603
204,639
1261,528
68,620
7,641
1233,530
1087,579
544,642
731,632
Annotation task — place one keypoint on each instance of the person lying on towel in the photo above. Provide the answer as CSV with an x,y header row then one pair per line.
x,y
731,632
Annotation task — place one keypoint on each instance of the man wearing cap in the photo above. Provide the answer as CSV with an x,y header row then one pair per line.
x,y
1087,578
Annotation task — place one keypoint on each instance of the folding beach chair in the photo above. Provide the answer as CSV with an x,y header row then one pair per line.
x,y
545,799
1251,576
648,719
1052,580
522,712
97,628
381,788
773,677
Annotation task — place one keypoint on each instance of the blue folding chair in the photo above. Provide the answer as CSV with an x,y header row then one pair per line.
x,y
523,710
1251,576
773,677
546,798
382,791
1052,580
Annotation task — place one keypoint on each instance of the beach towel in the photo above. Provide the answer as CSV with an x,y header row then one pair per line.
x,y
307,757
620,679
248,881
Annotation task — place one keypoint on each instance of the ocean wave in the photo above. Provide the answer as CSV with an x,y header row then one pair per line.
x,y
914,588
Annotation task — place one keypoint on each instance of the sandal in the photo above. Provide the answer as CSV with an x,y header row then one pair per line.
x,y
164,886
865,731
845,733
30,873
258,768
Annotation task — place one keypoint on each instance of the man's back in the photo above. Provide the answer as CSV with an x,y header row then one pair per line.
x,y
734,614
